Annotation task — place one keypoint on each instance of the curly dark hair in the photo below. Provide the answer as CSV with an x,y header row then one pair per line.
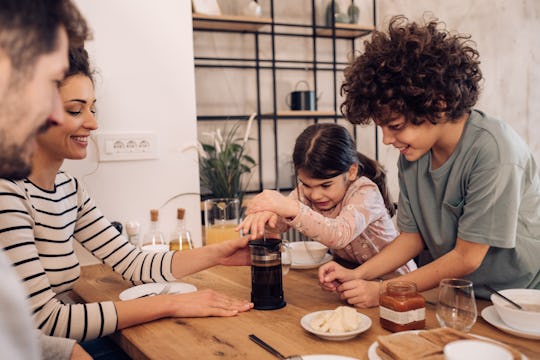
x,y
422,72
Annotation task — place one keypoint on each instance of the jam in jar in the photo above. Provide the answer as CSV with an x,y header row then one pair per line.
x,y
402,307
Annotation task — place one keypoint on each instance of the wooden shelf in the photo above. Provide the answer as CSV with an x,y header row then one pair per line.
x,y
347,31
229,22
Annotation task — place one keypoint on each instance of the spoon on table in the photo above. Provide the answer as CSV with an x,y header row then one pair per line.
x,y
492,290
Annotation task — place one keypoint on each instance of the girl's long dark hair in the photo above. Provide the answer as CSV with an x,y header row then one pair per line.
x,y
326,150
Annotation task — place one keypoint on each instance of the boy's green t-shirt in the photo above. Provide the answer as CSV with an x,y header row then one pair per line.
x,y
487,192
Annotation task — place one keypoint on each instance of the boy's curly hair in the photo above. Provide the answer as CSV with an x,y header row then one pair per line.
x,y
420,72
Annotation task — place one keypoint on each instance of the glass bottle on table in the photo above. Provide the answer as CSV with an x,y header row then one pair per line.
x,y
154,240
181,238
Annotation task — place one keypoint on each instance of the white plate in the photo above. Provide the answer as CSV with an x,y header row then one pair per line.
x,y
372,351
325,259
491,316
146,289
475,349
327,357
365,323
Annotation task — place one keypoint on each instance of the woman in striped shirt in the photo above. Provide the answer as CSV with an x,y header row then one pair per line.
x,y
42,215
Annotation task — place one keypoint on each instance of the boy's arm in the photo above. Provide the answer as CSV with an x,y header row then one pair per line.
x,y
404,247
464,259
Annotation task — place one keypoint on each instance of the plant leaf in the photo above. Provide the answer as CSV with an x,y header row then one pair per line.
x,y
222,163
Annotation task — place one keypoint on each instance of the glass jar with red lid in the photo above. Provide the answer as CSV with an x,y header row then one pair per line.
x,y
402,307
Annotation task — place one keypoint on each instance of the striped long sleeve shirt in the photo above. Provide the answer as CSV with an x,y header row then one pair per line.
x,y
37,230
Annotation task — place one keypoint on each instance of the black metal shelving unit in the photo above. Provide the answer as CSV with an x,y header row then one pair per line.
x,y
268,27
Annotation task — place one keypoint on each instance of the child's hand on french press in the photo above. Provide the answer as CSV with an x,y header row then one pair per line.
x,y
255,224
275,202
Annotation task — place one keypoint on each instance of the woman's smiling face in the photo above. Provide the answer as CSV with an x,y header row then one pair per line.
x,y
70,140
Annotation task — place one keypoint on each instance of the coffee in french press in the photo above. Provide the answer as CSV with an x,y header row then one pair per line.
x,y
266,277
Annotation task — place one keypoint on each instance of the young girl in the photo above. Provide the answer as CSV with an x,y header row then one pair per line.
x,y
341,199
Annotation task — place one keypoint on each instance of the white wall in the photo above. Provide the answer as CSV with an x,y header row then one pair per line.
x,y
143,52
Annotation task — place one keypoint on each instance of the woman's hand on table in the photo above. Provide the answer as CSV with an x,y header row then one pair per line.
x,y
201,303
205,303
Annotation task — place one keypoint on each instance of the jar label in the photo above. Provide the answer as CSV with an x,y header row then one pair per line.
x,y
402,317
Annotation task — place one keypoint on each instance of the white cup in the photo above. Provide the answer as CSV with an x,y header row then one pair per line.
x,y
307,252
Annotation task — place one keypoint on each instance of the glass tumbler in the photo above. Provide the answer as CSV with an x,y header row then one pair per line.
x,y
456,305
221,217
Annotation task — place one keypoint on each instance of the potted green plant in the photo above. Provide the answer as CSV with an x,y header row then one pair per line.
x,y
223,162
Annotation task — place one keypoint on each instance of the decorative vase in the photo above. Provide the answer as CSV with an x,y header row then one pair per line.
x,y
354,13
342,18
330,14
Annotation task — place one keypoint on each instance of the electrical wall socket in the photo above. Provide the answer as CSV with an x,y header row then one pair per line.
x,y
126,146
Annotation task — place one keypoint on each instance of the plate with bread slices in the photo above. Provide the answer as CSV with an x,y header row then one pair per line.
x,y
425,344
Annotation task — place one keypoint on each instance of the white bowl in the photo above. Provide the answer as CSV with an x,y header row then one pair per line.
x,y
475,349
307,252
526,319
365,323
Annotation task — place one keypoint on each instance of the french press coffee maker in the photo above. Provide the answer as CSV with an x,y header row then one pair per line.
x,y
266,277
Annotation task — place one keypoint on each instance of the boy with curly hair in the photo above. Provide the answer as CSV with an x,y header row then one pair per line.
x,y
469,185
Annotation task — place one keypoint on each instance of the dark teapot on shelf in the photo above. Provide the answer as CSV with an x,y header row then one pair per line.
x,y
302,99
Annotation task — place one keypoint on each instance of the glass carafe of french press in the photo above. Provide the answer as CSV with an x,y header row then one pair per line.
x,y
266,278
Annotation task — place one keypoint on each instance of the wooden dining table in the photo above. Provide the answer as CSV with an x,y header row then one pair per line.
x,y
227,338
